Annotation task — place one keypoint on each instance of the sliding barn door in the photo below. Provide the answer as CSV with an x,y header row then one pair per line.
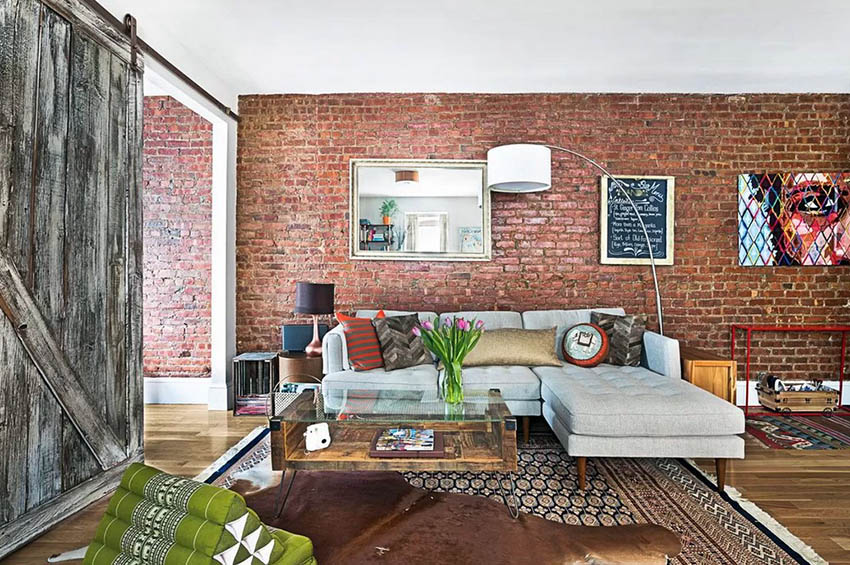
x,y
70,262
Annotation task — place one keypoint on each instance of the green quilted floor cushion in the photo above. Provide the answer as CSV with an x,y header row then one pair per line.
x,y
159,519
297,548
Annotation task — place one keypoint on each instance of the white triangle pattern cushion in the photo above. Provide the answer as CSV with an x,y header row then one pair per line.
x,y
251,540
237,526
248,541
228,556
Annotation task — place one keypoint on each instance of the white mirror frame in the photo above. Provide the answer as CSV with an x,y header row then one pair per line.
x,y
354,211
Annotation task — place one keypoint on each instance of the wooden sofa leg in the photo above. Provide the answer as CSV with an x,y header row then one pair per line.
x,y
582,472
720,466
525,429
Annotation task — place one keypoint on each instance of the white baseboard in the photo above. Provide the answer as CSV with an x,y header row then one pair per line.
x,y
218,398
754,397
177,390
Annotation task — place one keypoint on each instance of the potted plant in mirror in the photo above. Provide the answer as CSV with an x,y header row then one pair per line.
x,y
451,340
389,208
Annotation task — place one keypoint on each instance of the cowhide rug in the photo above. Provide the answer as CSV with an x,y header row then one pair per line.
x,y
355,518
460,517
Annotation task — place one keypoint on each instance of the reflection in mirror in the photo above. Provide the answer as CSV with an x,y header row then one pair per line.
x,y
406,209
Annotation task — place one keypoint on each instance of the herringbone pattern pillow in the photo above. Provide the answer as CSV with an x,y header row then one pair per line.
x,y
399,347
625,337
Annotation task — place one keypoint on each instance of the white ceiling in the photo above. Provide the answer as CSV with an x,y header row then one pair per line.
x,y
318,46
433,182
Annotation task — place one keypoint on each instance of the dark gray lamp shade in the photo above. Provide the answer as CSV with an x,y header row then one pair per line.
x,y
314,298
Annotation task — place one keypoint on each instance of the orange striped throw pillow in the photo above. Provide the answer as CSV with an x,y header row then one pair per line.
x,y
364,350
344,317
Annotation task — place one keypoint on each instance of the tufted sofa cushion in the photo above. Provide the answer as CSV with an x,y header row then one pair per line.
x,y
515,382
419,377
633,401
336,386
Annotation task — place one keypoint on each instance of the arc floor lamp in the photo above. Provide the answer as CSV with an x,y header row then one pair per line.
x,y
527,167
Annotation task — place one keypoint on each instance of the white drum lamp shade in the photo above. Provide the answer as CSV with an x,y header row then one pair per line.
x,y
520,167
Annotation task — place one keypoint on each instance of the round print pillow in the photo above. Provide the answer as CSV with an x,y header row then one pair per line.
x,y
585,345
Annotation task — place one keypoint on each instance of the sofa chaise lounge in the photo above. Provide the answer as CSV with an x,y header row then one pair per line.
x,y
603,411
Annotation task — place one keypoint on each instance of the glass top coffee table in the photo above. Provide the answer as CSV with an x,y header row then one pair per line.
x,y
478,435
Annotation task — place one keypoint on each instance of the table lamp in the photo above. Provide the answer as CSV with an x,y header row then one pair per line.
x,y
315,299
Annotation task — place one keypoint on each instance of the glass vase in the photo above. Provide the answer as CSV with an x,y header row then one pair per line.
x,y
451,385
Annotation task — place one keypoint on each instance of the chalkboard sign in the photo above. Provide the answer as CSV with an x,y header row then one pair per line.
x,y
622,240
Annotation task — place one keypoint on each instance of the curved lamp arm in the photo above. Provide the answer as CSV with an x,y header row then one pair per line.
x,y
619,184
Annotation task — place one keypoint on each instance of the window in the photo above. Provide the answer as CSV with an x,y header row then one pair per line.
x,y
427,232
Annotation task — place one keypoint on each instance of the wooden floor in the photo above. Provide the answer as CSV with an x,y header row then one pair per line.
x,y
179,439
808,492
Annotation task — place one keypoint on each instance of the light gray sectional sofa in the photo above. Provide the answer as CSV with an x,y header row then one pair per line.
x,y
603,411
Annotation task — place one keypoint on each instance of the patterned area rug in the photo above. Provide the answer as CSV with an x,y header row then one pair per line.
x,y
801,432
714,529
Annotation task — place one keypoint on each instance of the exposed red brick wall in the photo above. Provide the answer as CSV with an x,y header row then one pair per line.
x,y
177,174
292,224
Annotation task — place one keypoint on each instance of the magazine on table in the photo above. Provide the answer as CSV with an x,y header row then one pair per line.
x,y
407,443
405,439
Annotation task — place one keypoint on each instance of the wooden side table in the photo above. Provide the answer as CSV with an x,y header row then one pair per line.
x,y
716,374
298,368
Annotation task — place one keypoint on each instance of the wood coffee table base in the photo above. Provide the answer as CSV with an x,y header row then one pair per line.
x,y
480,438
474,449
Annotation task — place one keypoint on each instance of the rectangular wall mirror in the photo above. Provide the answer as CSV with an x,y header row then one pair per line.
x,y
420,210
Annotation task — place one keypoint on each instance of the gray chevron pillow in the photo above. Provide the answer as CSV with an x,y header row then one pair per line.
x,y
399,347
625,337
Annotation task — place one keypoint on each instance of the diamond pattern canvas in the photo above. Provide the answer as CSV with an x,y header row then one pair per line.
x,y
788,219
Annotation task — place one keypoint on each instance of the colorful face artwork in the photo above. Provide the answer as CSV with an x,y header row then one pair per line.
x,y
794,219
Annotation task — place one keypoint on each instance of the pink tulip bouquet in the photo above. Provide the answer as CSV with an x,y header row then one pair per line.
x,y
451,340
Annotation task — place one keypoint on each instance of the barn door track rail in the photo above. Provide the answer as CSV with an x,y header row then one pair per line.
x,y
128,27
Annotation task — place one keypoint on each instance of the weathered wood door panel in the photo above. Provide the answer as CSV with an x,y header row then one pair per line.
x,y
70,262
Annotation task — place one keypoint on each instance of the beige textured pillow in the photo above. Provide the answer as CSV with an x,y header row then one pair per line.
x,y
532,348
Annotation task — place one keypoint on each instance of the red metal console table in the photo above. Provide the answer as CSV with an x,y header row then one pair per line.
x,y
843,330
